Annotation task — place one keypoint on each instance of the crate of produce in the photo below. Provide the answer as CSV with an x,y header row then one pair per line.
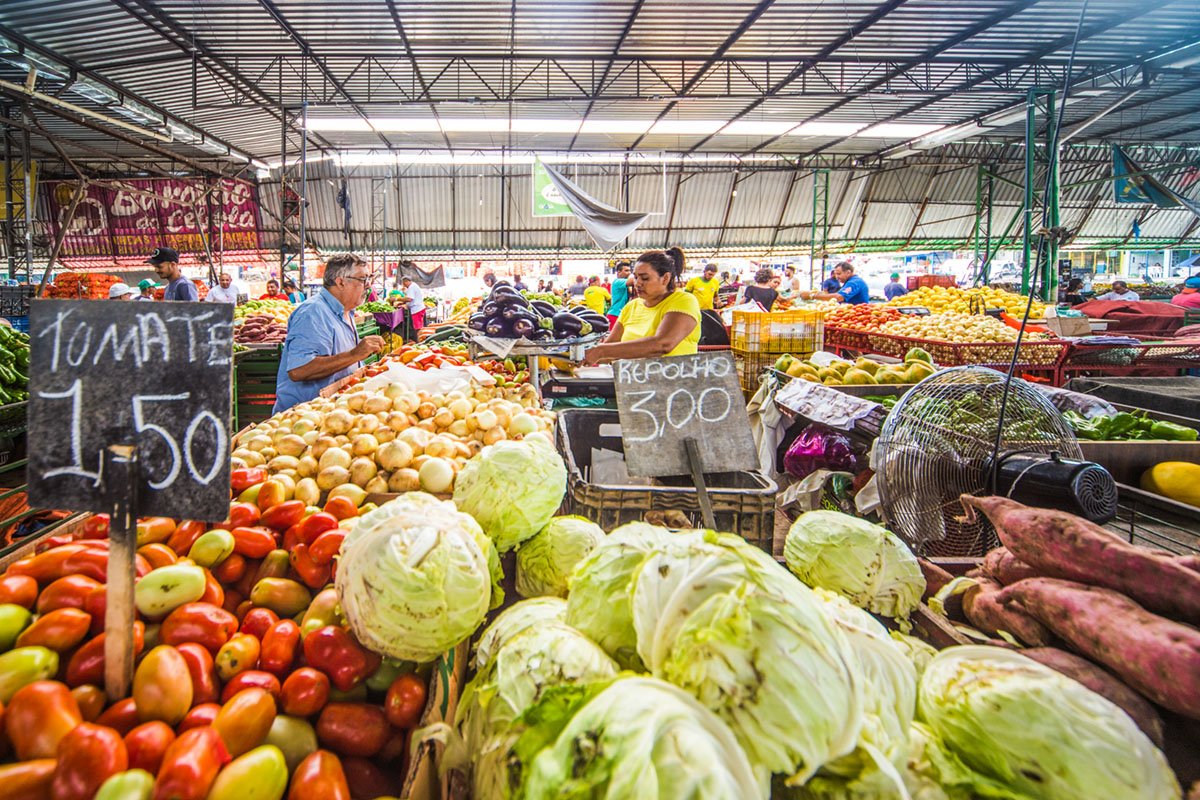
x,y
1039,354
921,281
254,386
590,440
847,339
82,285
795,332
14,300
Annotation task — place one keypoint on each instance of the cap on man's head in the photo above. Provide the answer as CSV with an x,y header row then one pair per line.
x,y
895,276
119,290
162,254
146,283
1192,282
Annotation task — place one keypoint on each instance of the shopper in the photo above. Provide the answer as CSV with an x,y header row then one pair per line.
x,y
619,293
120,291
578,287
146,289
489,280
662,321
1189,296
1073,294
595,296
166,265
853,289
541,287
705,288
761,292
1122,292
224,291
416,302
322,345
791,283
831,284
292,292
273,292
894,289
519,284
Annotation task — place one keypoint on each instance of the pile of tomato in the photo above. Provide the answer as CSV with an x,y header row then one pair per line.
x,y
248,682
863,317
420,356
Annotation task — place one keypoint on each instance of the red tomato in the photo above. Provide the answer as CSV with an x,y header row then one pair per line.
x,y
185,535
326,546
20,590
162,686
91,700
28,780
253,542
368,781
245,720
96,604
313,526
305,692
230,570
48,566
319,777
251,678
190,765
405,701
147,744
202,671
353,729
157,555
284,515
121,716
214,593
60,630
87,756
96,527
154,529
258,621
69,591
241,515
279,646
341,508
203,623
39,715
312,574
198,717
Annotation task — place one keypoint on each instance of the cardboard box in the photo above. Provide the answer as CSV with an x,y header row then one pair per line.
x,y
1069,326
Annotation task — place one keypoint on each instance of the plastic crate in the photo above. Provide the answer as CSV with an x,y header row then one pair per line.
x,y
797,332
751,366
743,502
14,300
921,281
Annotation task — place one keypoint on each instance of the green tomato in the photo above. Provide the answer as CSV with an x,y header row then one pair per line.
x,y
13,620
24,666
212,548
356,695
387,673
294,737
261,774
285,597
165,589
134,784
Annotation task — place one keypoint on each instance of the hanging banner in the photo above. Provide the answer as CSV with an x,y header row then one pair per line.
x,y
133,215
18,188
606,225
239,216
1131,187
547,200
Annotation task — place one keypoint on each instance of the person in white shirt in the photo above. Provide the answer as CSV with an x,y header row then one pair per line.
x,y
1120,291
223,292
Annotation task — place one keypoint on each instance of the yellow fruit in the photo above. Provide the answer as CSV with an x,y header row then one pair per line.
x,y
866,365
857,377
828,374
1178,480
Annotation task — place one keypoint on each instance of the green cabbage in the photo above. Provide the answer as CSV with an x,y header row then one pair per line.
x,y
865,563
413,578
635,737
1037,732
546,561
512,489
547,655
919,653
599,602
512,621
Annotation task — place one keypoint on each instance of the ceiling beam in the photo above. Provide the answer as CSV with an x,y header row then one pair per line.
x,y
598,88
416,67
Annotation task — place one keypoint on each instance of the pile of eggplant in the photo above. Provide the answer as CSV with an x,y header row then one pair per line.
x,y
508,314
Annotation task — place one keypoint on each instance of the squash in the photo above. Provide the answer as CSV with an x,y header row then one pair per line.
x,y
1177,480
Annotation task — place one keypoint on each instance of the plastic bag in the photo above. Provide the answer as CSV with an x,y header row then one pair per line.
x,y
819,447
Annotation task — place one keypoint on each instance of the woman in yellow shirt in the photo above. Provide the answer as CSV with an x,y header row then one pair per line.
x,y
664,320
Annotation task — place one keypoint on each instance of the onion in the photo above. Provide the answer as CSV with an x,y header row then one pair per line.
x,y
280,463
426,410
258,442
311,437
355,400
459,428
384,434
290,445
308,491
322,444
493,435
397,420
404,480
364,444
377,485
362,470
338,421
307,466
334,457
376,403
355,494
436,475
522,425
395,455
441,447
416,438
460,407
443,418
329,477
486,419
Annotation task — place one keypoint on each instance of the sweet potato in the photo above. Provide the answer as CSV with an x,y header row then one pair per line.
x,y
935,576
1004,568
984,612
1104,684
1062,545
1156,656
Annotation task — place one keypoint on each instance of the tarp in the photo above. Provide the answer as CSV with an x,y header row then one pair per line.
x,y
426,279
607,226
1131,187
1144,317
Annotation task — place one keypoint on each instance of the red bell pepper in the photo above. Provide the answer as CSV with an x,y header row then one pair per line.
x,y
335,652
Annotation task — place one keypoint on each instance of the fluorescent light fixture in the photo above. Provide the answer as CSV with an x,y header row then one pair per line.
x,y
347,124
827,129
545,125
616,127
684,127
898,130
474,125
745,127
481,157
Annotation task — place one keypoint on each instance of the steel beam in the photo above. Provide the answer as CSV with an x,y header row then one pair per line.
x,y
599,85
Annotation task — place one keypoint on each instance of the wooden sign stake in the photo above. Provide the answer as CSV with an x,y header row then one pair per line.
x,y
697,469
120,482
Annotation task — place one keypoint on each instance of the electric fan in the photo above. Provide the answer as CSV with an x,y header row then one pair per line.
x,y
937,443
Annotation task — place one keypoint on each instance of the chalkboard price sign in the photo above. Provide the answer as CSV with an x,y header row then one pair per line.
x,y
153,375
665,401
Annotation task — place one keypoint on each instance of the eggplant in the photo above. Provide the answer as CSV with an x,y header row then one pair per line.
x,y
512,312
477,322
567,325
506,300
542,334
490,308
524,327
498,328
543,308
502,290
598,325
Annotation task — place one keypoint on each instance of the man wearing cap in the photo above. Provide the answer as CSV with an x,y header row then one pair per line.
x,y
146,287
166,265
223,292
120,291
1189,297
894,289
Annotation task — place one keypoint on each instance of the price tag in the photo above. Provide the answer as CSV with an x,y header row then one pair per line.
x,y
153,375
665,401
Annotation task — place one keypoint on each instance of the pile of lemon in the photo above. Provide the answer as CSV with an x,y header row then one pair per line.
x,y
954,299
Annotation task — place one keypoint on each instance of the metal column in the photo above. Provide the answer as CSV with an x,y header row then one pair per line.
x,y
377,239
820,224
985,192
293,186
1040,208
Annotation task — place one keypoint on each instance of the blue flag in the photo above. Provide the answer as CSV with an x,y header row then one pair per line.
x,y
1131,187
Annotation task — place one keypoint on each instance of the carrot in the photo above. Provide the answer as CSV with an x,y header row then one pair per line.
x,y
1061,545
1003,567
1104,684
1155,656
982,610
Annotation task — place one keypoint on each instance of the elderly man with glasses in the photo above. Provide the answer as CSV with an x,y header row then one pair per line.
x,y
322,345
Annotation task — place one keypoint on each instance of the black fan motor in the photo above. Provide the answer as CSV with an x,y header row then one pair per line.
x,y
1083,488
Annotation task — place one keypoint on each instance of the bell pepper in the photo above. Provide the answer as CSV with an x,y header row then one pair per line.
x,y
242,479
335,652
279,645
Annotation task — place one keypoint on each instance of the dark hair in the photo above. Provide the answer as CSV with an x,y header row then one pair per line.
x,y
1076,283
763,275
339,266
665,262
845,265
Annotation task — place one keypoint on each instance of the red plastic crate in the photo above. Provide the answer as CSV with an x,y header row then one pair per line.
x,y
921,281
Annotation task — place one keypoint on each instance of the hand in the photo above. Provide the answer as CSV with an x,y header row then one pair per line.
x,y
369,345
594,355
806,295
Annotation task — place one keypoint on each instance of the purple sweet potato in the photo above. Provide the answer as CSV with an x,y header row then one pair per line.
x,y
982,610
1104,684
1062,545
935,576
1156,656
1003,567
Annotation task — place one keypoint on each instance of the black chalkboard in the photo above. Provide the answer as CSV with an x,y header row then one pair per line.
x,y
664,401
154,375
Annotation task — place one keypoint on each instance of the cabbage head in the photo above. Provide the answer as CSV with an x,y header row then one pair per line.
x,y
637,737
512,621
867,564
413,578
719,619
512,489
919,653
550,654
1037,732
546,561
599,602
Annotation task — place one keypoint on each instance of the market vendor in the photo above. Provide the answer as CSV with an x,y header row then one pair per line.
x,y
1189,295
664,320
322,345
1121,292
853,289
595,296
415,304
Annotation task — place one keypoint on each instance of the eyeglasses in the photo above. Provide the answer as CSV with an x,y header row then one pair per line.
x,y
366,281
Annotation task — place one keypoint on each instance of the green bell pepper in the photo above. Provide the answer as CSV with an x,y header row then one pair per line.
x,y
1172,432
